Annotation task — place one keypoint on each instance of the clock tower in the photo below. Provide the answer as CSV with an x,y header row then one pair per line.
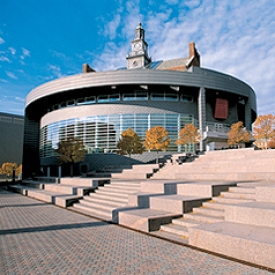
x,y
138,57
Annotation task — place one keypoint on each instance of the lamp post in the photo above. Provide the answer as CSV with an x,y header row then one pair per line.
x,y
72,166
13,174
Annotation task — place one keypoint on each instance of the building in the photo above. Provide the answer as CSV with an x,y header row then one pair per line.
x,y
98,106
11,138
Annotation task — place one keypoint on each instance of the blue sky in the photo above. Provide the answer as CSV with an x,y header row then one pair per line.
x,y
45,40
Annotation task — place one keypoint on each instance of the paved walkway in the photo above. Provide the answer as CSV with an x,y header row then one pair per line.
x,y
39,238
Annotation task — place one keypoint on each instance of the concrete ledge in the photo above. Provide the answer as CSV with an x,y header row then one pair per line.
x,y
95,182
23,190
132,175
233,176
116,211
35,184
65,200
146,220
62,200
265,193
141,200
204,188
69,189
254,244
253,213
160,186
176,203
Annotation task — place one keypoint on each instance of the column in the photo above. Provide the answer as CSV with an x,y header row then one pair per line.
x,y
48,171
248,121
202,116
59,171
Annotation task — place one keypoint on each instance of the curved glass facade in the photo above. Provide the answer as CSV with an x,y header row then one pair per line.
x,y
101,133
136,95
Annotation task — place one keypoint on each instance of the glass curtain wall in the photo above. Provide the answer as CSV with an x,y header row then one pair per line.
x,y
101,133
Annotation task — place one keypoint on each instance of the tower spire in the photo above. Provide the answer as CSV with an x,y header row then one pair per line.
x,y
138,57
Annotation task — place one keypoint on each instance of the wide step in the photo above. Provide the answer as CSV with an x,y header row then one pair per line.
x,y
104,201
95,205
203,218
146,220
175,229
229,200
240,241
234,195
100,214
62,200
209,211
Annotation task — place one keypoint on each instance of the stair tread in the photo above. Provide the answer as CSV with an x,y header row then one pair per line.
x,y
175,228
103,201
203,217
187,222
230,200
100,206
150,213
208,211
104,192
94,212
53,193
109,197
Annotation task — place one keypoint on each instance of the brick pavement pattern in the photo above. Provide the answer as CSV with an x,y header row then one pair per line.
x,y
39,238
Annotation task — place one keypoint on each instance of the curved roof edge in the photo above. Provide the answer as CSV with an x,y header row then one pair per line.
x,y
194,77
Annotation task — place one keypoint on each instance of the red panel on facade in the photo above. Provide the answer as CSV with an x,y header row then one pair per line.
x,y
221,108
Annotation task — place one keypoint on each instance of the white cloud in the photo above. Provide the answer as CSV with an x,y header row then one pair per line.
x,y
2,41
113,57
233,36
12,50
56,71
3,80
172,2
4,58
25,53
111,28
20,99
11,75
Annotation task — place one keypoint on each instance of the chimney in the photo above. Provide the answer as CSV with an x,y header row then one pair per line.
x,y
194,53
87,69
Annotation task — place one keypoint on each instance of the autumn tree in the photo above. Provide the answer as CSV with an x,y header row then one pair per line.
x,y
70,151
130,143
8,167
157,139
271,143
264,128
189,135
238,134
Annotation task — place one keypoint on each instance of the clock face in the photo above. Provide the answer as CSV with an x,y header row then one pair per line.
x,y
137,46
135,63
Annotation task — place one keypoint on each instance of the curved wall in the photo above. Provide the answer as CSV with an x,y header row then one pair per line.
x,y
198,77
38,116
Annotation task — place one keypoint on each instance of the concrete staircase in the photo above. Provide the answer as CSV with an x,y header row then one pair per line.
x,y
142,171
160,201
62,194
211,211
247,231
236,165
71,190
224,202
107,200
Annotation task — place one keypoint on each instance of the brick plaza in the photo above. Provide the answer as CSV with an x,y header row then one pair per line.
x,y
40,238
